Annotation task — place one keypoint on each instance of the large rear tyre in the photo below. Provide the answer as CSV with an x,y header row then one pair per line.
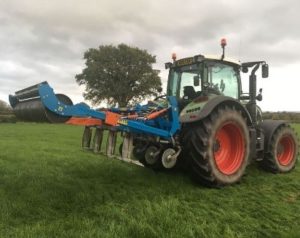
x,y
218,148
282,152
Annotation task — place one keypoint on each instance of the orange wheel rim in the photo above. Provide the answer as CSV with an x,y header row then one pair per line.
x,y
285,151
229,148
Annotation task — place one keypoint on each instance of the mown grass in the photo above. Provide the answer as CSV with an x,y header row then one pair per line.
x,y
49,187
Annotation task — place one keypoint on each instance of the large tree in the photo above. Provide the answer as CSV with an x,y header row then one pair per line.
x,y
4,107
118,75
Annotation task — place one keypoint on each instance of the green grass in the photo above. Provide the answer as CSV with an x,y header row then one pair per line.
x,y
49,187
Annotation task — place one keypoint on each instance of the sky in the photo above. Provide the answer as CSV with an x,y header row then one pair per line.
x,y
42,40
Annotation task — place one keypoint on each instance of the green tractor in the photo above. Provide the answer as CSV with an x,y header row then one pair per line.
x,y
222,129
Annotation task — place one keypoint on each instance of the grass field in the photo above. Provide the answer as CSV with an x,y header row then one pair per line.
x,y
49,187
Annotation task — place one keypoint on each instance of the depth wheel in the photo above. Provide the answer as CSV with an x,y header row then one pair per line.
x,y
151,157
218,148
282,152
168,160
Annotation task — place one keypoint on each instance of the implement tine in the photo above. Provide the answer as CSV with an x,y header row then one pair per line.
x,y
86,138
111,143
97,142
127,146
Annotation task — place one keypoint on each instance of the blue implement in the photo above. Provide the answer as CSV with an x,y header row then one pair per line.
x,y
164,127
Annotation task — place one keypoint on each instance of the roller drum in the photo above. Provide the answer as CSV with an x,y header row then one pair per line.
x,y
34,111
30,92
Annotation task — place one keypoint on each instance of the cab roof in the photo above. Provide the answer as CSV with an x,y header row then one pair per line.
x,y
200,58
226,59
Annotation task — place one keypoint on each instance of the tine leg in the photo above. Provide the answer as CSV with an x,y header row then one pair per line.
x,y
98,137
86,138
127,146
111,143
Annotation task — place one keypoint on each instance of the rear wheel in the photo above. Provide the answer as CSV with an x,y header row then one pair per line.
x,y
282,152
218,148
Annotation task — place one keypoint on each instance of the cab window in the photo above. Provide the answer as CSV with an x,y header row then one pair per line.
x,y
173,83
188,83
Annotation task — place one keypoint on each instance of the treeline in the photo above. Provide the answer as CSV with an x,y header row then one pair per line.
x,y
293,117
7,117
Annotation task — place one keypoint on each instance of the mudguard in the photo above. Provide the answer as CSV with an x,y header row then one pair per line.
x,y
202,106
269,127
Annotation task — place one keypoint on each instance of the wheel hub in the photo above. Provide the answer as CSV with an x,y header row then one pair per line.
x,y
285,151
168,158
229,148
152,155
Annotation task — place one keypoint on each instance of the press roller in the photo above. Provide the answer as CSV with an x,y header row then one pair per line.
x,y
27,106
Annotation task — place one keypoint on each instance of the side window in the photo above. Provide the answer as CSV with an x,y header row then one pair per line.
x,y
224,79
173,83
188,80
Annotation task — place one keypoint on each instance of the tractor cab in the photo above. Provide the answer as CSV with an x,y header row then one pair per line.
x,y
192,77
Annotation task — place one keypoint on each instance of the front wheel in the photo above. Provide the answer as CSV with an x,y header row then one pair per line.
x,y
282,152
218,147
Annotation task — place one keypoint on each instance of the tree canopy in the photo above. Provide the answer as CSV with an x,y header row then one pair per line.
x,y
4,107
118,75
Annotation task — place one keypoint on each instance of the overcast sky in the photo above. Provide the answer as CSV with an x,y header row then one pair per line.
x,y
42,40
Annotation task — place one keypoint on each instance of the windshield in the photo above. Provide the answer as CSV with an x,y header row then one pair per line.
x,y
189,82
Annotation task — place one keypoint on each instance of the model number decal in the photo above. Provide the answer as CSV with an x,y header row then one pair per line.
x,y
185,61
193,110
60,108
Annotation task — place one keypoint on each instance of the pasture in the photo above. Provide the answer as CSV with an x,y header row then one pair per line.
x,y
50,187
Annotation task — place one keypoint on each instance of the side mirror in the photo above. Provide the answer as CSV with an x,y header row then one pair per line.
x,y
196,81
265,70
168,65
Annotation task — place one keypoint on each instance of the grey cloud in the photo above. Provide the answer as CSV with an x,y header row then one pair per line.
x,y
49,37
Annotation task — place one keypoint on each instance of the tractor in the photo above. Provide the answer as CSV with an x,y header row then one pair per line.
x,y
205,124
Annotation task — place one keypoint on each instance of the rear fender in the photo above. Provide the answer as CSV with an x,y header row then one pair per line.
x,y
198,110
269,127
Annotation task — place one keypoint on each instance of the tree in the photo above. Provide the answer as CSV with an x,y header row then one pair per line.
x,y
118,75
4,107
